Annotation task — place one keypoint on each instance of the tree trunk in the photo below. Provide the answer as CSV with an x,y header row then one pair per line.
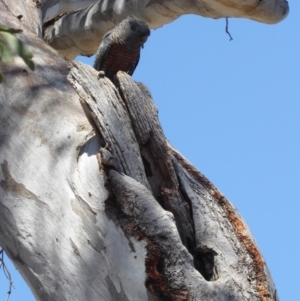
x,y
96,205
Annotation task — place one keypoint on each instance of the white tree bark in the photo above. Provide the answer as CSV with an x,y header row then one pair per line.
x,y
94,203
80,31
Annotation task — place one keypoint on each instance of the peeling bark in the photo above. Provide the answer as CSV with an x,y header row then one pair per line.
x,y
218,243
94,202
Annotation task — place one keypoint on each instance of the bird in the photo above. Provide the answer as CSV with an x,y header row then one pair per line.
x,y
119,49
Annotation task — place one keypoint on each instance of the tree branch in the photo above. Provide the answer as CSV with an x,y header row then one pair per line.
x,y
6,273
79,32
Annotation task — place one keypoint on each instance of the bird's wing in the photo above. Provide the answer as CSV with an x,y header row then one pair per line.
x,y
133,65
102,51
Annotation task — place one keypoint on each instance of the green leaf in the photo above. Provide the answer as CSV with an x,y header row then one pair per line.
x,y
26,55
1,77
10,30
10,45
6,55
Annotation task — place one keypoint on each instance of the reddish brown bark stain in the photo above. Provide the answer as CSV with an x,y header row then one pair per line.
x,y
258,262
238,226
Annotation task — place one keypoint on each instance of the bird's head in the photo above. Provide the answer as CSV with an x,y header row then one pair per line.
x,y
136,31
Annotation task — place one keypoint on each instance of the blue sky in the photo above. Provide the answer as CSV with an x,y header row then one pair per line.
x,y
233,110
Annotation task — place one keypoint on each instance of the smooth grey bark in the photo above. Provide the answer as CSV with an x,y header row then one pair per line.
x,y
96,205
80,31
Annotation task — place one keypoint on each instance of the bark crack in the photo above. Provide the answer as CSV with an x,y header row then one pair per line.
x,y
240,230
10,185
156,196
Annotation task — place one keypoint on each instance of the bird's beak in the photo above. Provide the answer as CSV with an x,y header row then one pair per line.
x,y
144,38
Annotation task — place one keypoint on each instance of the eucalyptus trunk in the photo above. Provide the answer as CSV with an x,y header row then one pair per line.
x,y
94,202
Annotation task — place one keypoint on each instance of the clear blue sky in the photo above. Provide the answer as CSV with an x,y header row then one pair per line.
x,y
233,110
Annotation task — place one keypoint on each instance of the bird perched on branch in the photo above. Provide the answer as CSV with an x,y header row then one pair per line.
x,y
119,49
